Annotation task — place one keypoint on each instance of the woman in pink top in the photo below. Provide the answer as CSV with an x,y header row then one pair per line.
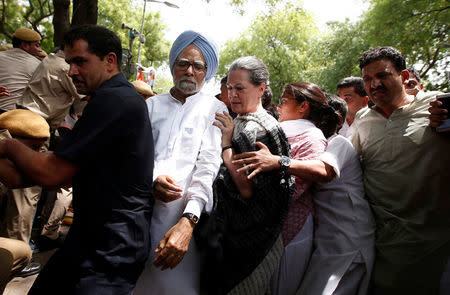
x,y
305,117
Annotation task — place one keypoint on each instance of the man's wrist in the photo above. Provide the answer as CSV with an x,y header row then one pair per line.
x,y
193,219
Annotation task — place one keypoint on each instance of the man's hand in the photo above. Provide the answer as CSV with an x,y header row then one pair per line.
x,y
437,114
4,91
166,189
174,244
260,161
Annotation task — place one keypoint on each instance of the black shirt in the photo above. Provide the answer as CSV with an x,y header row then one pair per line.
x,y
112,147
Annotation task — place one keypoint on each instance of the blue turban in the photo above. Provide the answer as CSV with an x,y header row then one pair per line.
x,y
206,45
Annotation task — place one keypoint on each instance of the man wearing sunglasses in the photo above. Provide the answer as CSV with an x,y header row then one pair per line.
x,y
187,159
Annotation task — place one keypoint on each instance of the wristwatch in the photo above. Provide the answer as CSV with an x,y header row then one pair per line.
x,y
285,163
192,217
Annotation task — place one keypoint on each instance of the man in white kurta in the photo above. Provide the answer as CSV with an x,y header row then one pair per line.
x,y
187,159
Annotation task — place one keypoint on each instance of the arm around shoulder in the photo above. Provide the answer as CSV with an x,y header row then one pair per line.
x,y
312,170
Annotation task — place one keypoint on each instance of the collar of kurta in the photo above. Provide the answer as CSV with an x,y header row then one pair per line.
x,y
293,127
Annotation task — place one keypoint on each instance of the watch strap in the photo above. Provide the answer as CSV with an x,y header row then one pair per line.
x,y
192,217
285,163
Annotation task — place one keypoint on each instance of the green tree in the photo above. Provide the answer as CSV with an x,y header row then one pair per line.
x,y
283,39
336,54
32,13
113,14
419,29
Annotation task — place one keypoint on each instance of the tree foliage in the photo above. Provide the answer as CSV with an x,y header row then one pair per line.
x,y
418,28
282,38
293,50
52,17
336,54
113,14
32,13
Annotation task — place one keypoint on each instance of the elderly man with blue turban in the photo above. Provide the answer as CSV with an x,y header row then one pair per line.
x,y
187,159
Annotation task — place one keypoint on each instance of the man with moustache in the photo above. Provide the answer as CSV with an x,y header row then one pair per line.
x,y
187,159
51,93
406,172
108,159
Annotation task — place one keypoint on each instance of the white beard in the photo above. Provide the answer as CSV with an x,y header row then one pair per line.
x,y
188,86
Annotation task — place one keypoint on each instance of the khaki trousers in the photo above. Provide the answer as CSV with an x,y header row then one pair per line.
x,y
56,206
20,207
14,256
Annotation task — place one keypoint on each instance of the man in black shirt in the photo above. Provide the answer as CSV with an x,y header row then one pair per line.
x,y
108,159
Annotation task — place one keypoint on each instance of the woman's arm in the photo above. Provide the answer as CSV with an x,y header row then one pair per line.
x,y
262,161
240,179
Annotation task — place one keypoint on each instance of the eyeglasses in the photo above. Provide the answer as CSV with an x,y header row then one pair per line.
x,y
184,64
284,100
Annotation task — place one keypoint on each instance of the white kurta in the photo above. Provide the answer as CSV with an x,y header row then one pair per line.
x,y
344,229
187,148
346,130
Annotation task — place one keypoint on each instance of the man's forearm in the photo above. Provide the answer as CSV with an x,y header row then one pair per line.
x,y
9,175
44,169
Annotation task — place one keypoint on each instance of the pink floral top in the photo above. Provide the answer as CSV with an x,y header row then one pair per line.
x,y
307,142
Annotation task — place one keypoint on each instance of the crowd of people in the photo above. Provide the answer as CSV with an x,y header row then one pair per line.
x,y
187,193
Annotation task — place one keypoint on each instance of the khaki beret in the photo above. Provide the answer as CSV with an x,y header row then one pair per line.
x,y
142,87
5,47
25,123
26,34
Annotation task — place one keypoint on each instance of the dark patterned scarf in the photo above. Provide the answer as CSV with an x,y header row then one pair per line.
x,y
239,233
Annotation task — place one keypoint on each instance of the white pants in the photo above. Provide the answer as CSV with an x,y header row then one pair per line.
x,y
185,277
289,274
